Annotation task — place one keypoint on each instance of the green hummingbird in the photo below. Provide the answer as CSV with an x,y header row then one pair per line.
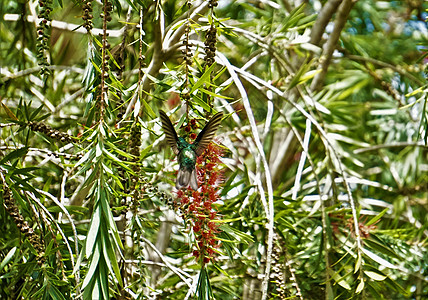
x,y
186,152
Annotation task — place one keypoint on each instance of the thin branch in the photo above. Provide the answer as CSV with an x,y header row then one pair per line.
x,y
385,65
395,145
9,75
302,161
7,124
75,28
323,19
339,24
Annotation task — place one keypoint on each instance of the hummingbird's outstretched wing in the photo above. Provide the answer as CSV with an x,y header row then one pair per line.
x,y
207,134
170,133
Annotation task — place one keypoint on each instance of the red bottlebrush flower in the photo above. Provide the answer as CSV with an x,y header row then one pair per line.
x,y
187,128
207,205
201,245
198,207
193,136
209,166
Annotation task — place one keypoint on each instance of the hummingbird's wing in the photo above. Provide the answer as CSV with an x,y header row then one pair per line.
x,y
207,134
170,133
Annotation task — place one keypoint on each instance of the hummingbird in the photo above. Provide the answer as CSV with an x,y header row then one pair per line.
x,y
187,153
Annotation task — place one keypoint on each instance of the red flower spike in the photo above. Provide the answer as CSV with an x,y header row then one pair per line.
x,y
193,136
196,207
187,128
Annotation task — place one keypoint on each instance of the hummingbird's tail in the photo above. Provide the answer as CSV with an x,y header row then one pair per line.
x,y
186,177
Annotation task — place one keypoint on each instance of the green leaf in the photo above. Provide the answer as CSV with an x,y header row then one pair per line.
x,y
201,103
237,234
344,284
213,94
55,293
95,258
204,289
360,286
378,259
103,280
148,108
205,78
376,244
221,270
297,78
8,257
358,263
91,236
9,113
18,153
375,276
374,219
35,113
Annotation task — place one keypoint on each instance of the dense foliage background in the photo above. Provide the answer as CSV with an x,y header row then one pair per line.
x,y
318,185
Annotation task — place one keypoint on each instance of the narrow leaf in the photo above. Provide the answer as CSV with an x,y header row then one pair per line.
x,y
8,258
374,219
360,287
9,113
375,276
378,259
93,232
204,79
